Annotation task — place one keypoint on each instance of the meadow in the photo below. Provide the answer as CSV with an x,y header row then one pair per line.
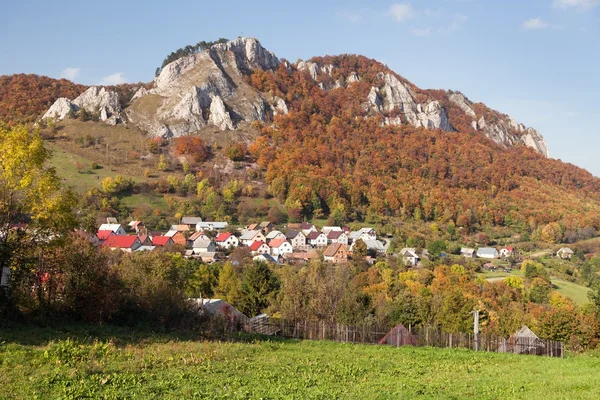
x,y
101,362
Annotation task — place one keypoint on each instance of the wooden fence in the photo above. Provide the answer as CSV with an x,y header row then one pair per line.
x,y
401,336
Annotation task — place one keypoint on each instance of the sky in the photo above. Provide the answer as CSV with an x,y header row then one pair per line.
x,y
537,60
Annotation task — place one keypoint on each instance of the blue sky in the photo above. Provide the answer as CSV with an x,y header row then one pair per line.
x,y
537,60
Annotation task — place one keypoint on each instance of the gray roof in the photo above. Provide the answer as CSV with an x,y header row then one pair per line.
x,y
374,245
249,235
190,220
487,251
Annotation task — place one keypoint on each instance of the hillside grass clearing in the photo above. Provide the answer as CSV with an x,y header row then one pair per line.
x,y
104,362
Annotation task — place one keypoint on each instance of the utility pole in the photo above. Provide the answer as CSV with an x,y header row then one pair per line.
x,y
476,328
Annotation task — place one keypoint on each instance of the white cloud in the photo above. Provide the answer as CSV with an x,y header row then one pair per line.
x,y
401,11
533,24
349,16
70,73
457,23
114,79
582,5
421,32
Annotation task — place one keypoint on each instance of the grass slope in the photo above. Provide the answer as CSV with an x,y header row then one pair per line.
x,y
132,365
578,293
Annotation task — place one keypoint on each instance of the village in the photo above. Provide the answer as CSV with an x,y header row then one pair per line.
x,y
297,243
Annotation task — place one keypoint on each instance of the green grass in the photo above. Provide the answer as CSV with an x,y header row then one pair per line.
x,y
155,201
578,293
65,164
116,363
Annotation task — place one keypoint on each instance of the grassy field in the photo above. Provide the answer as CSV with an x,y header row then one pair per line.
x,y
117,363
578,293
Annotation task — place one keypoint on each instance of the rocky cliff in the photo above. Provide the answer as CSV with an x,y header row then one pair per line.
x,y
211,89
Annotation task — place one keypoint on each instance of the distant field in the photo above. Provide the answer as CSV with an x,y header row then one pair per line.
x,y
578,293
123,364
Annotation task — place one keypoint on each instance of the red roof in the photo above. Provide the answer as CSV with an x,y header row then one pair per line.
x,y
221,237
121,242
509,248
256,245
276,242
334,235
103,235
161,240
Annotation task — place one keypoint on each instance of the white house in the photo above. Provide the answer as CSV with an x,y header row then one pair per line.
x,y
226,240
507,251
487,252
337,237
327,229
363,234
296,238
316,239
211,226
410,257
257,248
204,246
117,229
274,235
249,237
197,236
467,252
565,253
280,247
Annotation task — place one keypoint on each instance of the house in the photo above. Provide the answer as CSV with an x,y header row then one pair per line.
x,y
265,258
145,240
565,253
211,226
179,228
191,222
259,248
301,257
327,229
90,237
296,238
336,253
375,245
162,241
117,229
249,237
195,236
136,226
103,235
410,257
399,336
364,234
226,240
274,235
467,252
145,248
177,237
5,277
487,252
266,226
125,243
204,246
316,239
111,220
280,247
337,237
507,251
207,258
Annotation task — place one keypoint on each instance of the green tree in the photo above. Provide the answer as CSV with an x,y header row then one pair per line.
x,y
229,287
259,288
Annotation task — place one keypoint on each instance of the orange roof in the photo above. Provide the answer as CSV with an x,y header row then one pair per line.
x,y
256,245
221,237
103,235
276,242
160,240
121,242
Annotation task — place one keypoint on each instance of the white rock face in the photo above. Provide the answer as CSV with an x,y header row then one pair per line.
x,y
141,92
95,99
315,69
433,117
461,101
374,101
353,77
279,106
219,115
60,109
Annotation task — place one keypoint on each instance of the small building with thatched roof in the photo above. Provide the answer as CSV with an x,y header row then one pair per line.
x,y
399,336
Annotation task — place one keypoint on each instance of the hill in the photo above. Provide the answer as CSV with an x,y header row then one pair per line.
x,y
347,138
105,363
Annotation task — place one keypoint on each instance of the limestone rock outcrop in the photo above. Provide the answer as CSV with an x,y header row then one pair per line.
x,y
95,99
